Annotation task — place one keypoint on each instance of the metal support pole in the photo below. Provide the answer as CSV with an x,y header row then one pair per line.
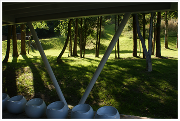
x,y
104,59
47,65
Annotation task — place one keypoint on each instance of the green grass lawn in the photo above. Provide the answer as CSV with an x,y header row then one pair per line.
x,y
123,83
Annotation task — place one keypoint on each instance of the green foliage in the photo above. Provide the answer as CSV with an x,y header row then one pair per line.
x,y
173,14
123,83
63,27
170,15
40,25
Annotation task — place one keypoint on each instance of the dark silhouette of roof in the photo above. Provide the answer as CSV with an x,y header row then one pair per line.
x,y
22,12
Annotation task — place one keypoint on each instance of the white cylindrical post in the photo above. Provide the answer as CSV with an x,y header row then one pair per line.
x,y
105,57
47,65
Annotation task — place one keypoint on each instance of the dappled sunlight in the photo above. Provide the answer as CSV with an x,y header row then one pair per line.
x,y
25,80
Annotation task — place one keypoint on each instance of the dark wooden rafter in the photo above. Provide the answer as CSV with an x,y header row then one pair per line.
x,y
21,12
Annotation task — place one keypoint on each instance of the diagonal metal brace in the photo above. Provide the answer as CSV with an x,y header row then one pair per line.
x,y
147,53
47,65
105,57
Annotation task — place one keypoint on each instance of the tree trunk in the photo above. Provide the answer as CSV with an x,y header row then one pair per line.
x,y
147,54
158,44
99,35
115,32
144,34
177,42
134,37
81,40
70,43
96,53
75,38
154,38
118,41
23,34
66,43
15,51
8,44
29,41
166,31
85,36
139,48
84,44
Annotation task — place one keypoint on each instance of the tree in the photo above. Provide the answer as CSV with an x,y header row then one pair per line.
x,y
144,34
66,43
63,27
85,32
15,51
118,40
155,33
70,43
166,30
99,35
177,42
158,28
29,42
115,32
81,36
134,37
52,25
173,14
8,44
147,53
81,40
75,38
96,53
99,24
23,46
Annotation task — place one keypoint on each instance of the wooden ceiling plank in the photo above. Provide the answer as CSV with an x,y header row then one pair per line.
x,y
50,9
95,12
22,5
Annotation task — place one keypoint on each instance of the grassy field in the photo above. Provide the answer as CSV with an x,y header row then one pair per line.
x,y
123,83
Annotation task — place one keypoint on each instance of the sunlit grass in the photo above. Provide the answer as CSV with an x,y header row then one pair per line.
x,y
123,83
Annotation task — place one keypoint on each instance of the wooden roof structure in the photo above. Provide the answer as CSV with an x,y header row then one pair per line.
x,y
22,12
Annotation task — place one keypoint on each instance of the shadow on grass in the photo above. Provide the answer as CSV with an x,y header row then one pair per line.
x,y
9,78
91,51
73,81
38,84
126,85
122,83
138,92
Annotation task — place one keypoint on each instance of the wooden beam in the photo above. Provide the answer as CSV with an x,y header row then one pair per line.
x,y
86,10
